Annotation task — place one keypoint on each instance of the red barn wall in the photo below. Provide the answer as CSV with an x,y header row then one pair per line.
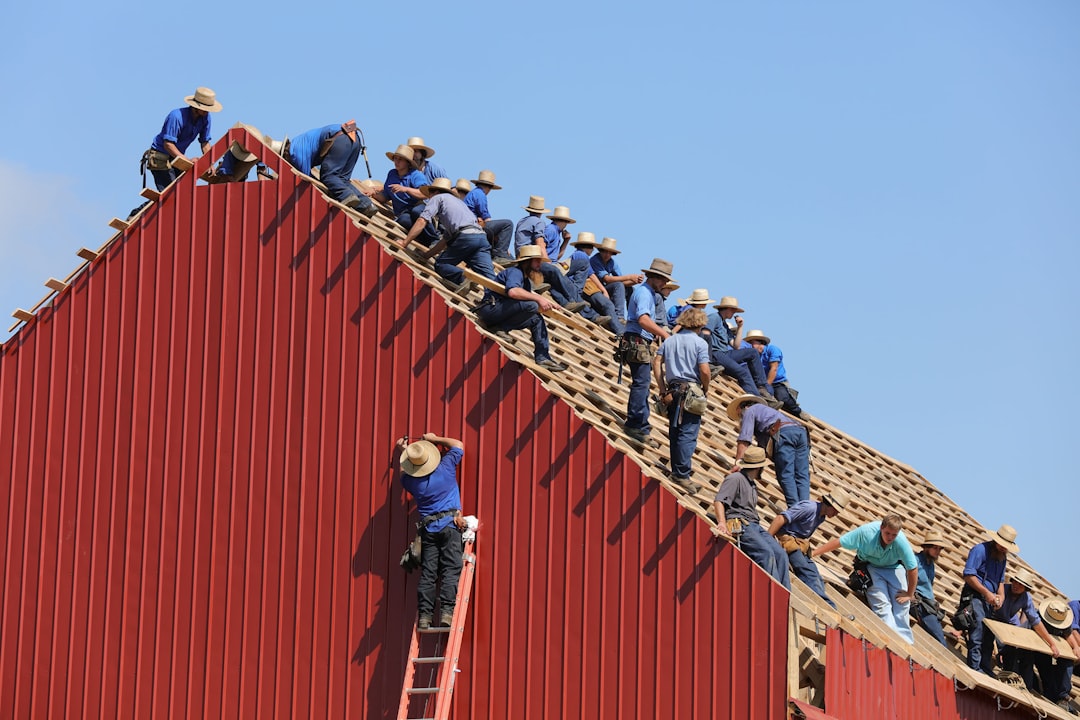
x,y
201,515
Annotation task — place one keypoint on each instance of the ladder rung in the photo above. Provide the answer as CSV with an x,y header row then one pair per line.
x,y
434,630
428,660
422,691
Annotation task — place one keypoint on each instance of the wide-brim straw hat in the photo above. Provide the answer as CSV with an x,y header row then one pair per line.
x,y
608,244
486,177
1056,613
203,99
1005,536
585,238
536,204
463,186
420,458
660,267
438,185
837,499
241,154
757,335
734,405
404,151
526,252
561,212
280,147
754,457
699,296
671,286
1022,577
417,143
728,302
933,538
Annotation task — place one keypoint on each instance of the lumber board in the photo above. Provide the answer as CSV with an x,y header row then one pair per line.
x,y
1025,639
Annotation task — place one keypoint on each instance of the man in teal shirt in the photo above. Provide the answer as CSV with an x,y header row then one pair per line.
x,y
885,548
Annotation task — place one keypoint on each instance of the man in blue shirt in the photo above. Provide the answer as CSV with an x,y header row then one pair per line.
x,y
403,189
772,362
421,153
607,272
556,236
1017,602
181,127
892,566
1055,674
724,333
520,307
532,231
793,528
661,304
925,609
790,440
462,239
431,479
984,588
580,273
499,232
681,370
334,149
737,520
636,346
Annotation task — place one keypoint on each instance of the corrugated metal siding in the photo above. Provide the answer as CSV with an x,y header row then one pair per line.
x,y
201,516
863,682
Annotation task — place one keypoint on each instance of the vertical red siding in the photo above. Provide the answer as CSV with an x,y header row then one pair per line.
x,y
200,515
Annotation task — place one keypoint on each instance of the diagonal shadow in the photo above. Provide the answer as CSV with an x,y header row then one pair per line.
x,y
436,344
563,457
372,299
277,219
528,430
312,240
701,568
490,398
593,490
455,384
685,520
634,511
338,272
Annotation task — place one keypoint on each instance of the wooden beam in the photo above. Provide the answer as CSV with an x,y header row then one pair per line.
x,y
118,224
56,285
151,194
22,315
88,254
181,163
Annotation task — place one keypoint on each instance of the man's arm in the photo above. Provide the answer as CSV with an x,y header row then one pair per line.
x,y
736,342
650,326
519,293
773,366
448,442
721,529
658,374
912,581
973,582
706,375
740,450
777,524
1040,630
827,547
414,232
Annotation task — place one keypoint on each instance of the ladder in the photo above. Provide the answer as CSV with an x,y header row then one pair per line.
x,y
441,665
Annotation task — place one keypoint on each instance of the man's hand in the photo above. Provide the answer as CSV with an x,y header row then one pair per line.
x,y
430,437
397,188
459,522
738,321
546,304
905,597
720,531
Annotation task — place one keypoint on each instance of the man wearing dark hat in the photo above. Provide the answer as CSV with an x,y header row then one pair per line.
x,y
681,370
724,333
793,529
181,127
735,508
463,239
520,307
984,589
636,346
925,609
334,149
790,440
499,232
431,479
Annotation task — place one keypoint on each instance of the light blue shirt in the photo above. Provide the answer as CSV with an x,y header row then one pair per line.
x,y
642,302
1014,605
603,269
803,518
553,240
452,214
721,334
528,230
683,353
927,573
432,171
866,541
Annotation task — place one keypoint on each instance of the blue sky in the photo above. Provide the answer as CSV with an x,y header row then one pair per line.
x,y
891,191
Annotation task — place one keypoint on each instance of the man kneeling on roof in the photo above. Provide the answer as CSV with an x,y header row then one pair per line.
x,y
735,508
681,370
520,307
462,237
790,442
793,529
334,149
431,478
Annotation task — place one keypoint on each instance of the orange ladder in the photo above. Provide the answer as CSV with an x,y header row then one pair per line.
x,y
442,664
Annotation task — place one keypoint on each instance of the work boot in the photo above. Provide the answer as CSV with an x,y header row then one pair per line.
x,y
603,321
551,365
446,618
684,482
503,260
636,434
541,288
769,399
575,306
461,289
424,623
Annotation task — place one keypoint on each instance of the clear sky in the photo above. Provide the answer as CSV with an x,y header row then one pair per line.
x,y
891,190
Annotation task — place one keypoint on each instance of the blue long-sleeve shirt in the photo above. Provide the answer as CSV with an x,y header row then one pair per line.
x,y
180,128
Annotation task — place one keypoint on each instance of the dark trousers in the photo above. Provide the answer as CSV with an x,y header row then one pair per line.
x,y
407,217
929,621
780,392
508,314
164,178
637,408
683,428
499,234
440,560
980,641
473,250
744,365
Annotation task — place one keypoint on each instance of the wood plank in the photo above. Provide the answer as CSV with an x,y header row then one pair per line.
x,y
22,315
118,224
56,285
150,194
1026,639
181,163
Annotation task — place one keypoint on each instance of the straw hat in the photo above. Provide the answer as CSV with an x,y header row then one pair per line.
x,y
404,151
526,252
734,405
1056,613
281,147
486,177
241,154
700,296
660,267
728,302
933,538
1022,577
536,204
463,186
754,457
438,185
671,286
1006,538
417,143
420,458
757,335
609,245
585,238
203,99
837,498
562,212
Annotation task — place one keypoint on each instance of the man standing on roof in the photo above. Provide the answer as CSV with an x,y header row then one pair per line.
x,y
499,232
926,610
181,127
421,153
404,190
984,589
580,273
520,307
735,508
636,346
334,149
772,362
608,272
681,370
724,333
431,478
463,239
790,441
793,529
891,564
